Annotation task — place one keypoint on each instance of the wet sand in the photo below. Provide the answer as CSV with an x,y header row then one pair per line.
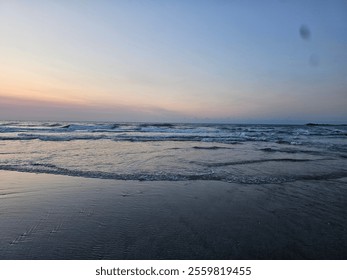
x,y
59,217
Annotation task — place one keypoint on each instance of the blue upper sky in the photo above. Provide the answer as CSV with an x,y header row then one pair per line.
x,y
235,61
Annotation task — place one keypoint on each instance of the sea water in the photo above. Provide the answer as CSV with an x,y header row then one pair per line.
x,y
172,191
251,154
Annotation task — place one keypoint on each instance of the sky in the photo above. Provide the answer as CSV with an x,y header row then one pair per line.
x,y
183,61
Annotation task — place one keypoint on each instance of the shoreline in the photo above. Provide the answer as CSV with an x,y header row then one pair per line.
x,y
48,216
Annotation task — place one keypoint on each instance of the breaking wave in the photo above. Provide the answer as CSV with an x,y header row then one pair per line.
x,y
144,132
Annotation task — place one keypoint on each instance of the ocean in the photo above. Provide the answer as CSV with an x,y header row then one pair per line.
x,y
102,190
252,154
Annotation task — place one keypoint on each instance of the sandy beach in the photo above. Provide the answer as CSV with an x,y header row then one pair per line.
x,y
45,216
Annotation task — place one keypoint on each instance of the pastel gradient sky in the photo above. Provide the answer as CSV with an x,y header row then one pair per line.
x,y
224,61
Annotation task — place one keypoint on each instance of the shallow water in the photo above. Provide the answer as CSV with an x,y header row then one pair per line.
x,y
60,217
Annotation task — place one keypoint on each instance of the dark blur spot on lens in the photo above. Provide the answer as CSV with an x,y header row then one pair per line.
x,y
314,60
305,32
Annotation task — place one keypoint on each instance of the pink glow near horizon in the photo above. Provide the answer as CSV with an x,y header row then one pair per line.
x,y
117,61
